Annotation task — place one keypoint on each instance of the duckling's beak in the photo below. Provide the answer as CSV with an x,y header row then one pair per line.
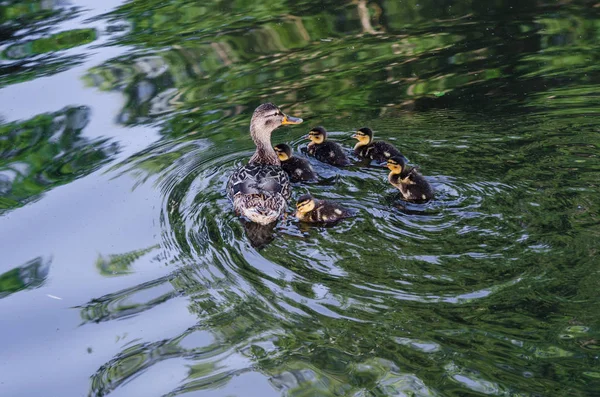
x,y
355,136
290,120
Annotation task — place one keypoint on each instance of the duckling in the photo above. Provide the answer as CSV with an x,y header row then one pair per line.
x,y
324,150
367,149
260,189
312,210
298,169
411,184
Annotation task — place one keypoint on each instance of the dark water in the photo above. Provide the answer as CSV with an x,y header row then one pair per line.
x,y
124,273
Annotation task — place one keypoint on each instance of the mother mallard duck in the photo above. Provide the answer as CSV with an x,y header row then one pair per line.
x,y
260,189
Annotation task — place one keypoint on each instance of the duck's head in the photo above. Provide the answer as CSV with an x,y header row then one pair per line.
x,y
266,118
396,164
305,203
364,136
284,151
317,135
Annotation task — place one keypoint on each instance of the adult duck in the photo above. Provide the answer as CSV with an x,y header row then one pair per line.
x,y
260,189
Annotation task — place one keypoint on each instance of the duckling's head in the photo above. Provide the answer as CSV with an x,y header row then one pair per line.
x,y
317,135
305,203
266,118
364,136
396,164
284,151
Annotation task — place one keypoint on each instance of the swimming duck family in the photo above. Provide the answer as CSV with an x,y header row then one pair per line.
x,y
260,190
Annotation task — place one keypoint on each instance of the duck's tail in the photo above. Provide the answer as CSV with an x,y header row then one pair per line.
x,y
260,208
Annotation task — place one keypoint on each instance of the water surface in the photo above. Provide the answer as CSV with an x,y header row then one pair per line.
x,y
125,273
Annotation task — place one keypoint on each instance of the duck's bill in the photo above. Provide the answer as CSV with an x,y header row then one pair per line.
x,y
287,120
355,136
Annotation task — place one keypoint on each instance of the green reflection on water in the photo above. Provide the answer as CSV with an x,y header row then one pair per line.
x,y
31,275
44,152
120,264
34,51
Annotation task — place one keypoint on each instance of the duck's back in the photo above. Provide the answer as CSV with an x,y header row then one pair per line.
x,y
377,151
413,186
259,192
259,179
298,169
326,212
330,152
420,190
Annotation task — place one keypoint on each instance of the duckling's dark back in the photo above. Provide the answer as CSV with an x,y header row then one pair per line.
x,y
298,169
413,185
327,212
329,152
421,190
377,151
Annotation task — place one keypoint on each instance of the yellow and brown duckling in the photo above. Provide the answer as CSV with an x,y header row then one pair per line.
x,y
324,150
298,169
367,149
411,184
312,210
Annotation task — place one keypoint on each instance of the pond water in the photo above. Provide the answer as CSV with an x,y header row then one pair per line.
x,y
124,272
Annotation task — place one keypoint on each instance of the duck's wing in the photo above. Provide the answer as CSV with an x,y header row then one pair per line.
x,y
410,176
335,211
299,169
259,179
386,150
413,174
339,155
